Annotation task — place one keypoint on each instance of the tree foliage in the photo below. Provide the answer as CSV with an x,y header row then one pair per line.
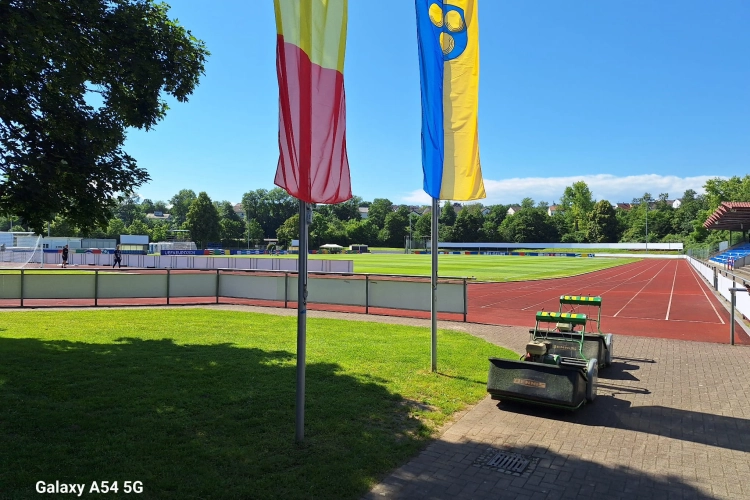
x,y
469,223
59,154
181,203
379,209
602,225
576,204
528,225
288,231
447,215
232,227
203,220
396,227
269,208
254,233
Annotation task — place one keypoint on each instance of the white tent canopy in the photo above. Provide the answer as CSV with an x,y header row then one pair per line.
x,y
331,245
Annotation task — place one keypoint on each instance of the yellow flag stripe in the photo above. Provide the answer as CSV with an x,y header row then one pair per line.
x,y
318,27
462,171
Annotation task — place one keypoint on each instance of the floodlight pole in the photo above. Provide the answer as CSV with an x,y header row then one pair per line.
x,y
305,214
434,280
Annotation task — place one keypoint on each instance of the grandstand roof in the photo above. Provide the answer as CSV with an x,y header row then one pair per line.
x,y
731,215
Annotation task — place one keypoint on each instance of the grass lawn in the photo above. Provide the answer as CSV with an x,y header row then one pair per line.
x,y
482,267
599,250
201,404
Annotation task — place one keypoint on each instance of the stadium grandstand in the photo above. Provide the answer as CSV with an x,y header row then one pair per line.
x,y
732,216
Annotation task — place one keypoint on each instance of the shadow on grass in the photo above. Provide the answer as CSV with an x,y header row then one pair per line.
x,y
192,421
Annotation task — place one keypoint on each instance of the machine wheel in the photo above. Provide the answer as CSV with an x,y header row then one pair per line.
x,y
592,373
609,342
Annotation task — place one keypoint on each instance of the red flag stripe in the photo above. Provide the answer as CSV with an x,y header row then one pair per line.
x,y
313,164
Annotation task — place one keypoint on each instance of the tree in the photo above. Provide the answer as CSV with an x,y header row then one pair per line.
x,y
318,231
362,232
423,226
203,220
396,227
575,205
348,210
181,203
447,215
58,154
733,189
468,224
115,228
281,206
61,227
269,208
138,227
129,208
527,203
147,206
528,225
378,211
232,227
492,221
160,206
159,231
288,231
254,232
685,217
602,224
252,203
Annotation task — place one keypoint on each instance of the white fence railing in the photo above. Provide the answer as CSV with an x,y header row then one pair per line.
x,y
722,281
179,261
365,290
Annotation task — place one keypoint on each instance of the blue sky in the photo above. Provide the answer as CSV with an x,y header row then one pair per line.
x,y
628,96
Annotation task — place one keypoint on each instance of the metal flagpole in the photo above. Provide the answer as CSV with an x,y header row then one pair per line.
x,y
434,280
304,214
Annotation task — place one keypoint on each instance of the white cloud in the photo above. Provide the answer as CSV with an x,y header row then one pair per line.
x,y
603,187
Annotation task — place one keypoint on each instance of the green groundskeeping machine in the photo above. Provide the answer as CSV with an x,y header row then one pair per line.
x,y
595,344
565,378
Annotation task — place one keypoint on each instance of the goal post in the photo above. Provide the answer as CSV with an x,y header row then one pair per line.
x,y
23,257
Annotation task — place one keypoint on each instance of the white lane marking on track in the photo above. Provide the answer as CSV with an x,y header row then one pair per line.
x,y
627,281
557,286
671,293
595,280
700,285
639,291
671,320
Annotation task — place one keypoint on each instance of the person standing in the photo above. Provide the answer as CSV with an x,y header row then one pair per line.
x,y
65,256
118,258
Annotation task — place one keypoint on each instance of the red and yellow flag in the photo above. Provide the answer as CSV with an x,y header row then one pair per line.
x,y
311,40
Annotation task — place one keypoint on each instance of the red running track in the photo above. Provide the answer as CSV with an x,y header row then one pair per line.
x,y
650,298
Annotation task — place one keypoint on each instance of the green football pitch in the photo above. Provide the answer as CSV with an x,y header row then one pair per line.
x,y
480,267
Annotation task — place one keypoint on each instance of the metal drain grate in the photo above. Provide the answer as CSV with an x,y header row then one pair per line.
x,y
509,462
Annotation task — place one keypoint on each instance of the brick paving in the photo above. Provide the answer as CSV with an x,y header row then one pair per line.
x,y
672,420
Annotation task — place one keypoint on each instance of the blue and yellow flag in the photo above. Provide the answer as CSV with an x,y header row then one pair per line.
x,y
448,35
